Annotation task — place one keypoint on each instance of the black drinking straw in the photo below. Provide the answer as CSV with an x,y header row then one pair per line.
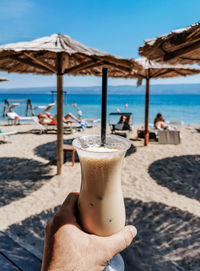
x,y
104,105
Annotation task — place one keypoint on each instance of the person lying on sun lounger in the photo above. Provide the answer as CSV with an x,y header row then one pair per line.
x,y
159,122
48,119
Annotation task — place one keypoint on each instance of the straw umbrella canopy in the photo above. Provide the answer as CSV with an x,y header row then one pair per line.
x,y
179,46
2,79
59,54
151,69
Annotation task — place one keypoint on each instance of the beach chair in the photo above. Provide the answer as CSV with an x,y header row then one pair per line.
x,y
14,118
153,132
45,108
4,135
90,123
175,122
13,106
76,126
169,137
68,128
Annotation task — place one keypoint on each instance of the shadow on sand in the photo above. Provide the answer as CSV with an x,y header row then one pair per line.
x,y
19,177
48,151
30,232
131,150
180,174
167,239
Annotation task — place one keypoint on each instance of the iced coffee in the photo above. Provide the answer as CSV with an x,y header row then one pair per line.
x,y
101,204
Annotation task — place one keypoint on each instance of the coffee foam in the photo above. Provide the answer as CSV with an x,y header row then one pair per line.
x,y
101,149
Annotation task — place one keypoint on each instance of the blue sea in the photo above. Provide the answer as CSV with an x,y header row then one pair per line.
x,y
183,107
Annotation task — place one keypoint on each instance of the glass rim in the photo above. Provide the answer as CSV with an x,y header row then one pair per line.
x,y
123,148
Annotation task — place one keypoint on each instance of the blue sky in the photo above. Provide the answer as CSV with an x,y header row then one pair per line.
x,y
116,26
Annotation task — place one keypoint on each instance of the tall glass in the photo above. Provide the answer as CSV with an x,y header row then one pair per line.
x,y
100,203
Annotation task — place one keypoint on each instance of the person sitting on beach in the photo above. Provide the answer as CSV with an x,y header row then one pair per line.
x,y
159,122
48,119
124,123
67,247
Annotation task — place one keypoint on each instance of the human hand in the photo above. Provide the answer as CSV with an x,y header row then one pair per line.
x,y
67,247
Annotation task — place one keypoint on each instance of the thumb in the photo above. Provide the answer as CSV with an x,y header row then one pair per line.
x,y
121,240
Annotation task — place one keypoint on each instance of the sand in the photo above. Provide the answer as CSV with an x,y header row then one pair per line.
x,y
161,187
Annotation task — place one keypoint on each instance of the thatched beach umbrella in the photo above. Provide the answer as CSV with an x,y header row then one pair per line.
x,y
179,46
59,54
151,69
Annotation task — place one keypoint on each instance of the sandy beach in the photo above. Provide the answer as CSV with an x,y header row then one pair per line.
x,y
161,187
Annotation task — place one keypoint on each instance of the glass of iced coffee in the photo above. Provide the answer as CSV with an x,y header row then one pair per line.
x,y
100,204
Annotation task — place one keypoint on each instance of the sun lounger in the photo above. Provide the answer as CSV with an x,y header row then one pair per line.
x,y
13,106
67,127
153,133
45,108
71,127
175,122
4,135
14,117
169,137
91,122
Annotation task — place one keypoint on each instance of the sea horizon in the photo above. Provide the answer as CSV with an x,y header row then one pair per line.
x,y
112,89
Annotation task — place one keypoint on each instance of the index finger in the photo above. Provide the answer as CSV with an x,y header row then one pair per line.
x,y
70,202
69,207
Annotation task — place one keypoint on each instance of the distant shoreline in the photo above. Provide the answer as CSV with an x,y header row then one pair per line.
x,y
118,90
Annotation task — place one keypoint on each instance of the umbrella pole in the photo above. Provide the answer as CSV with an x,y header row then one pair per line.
x,y
59,149
146,129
